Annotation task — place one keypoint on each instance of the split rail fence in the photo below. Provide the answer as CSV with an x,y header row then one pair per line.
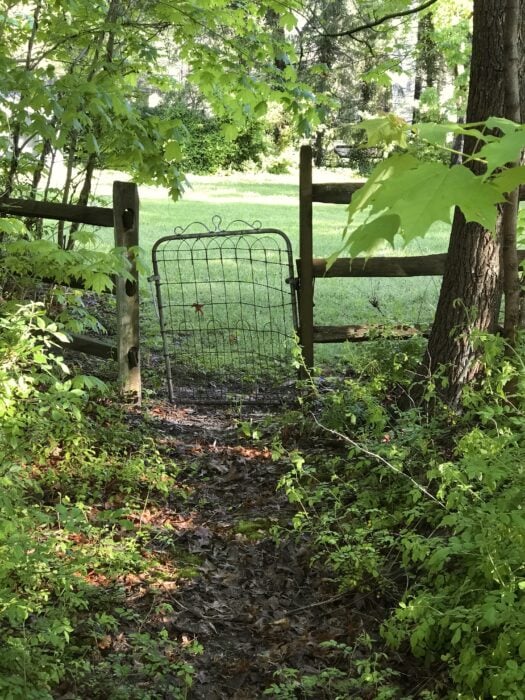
x,y
123,218
310,268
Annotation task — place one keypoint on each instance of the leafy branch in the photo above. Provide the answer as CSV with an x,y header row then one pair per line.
x,y
405,194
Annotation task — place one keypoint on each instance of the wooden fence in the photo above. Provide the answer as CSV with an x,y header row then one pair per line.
x,y
123,218
310,268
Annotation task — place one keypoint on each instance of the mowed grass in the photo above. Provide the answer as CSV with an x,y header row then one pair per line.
x,y
274,202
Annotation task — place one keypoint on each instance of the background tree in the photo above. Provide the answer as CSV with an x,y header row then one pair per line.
x,y
427,62
405,57
76,77
479,267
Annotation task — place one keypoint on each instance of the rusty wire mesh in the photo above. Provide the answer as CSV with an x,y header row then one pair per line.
x,y
227,311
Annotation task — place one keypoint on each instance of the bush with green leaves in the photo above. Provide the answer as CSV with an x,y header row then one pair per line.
x,y
365,674
206,145
72,475
424,510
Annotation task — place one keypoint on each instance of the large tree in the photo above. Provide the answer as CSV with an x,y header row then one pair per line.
x,y
406,194
472,284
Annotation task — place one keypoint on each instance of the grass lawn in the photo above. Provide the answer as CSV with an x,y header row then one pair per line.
x,y
273,200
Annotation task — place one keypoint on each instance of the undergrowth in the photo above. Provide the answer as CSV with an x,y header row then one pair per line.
x,y
420,514
82,614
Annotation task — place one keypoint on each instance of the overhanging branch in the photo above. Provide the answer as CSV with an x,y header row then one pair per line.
x,y
381,20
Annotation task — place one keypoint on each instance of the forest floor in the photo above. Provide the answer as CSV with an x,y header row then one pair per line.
x,y
229,571
252,600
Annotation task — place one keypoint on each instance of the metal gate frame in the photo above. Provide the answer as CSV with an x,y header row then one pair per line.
x,y
219,232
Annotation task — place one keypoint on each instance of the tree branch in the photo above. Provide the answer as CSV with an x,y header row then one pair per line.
x,y
379,459
382,20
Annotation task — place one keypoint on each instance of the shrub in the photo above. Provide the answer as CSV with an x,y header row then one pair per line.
x,y
71,475
205,148
425,510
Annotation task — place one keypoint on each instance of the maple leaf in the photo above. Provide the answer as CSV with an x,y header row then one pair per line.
x,y
417,194
509,179
372,233
505,150
385,130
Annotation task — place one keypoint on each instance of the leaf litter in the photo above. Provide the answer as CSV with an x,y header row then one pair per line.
x,y
253,601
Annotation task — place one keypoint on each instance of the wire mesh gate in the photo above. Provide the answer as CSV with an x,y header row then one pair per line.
x,y
227,311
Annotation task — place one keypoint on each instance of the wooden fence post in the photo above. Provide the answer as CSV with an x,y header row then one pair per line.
x,y
126,228
306,280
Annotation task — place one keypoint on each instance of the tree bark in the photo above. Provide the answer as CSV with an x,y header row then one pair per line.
x,y
426,62
471,288
511,274
521,76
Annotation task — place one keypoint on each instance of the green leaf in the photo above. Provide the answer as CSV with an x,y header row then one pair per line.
x,y
509,179
503,151
419,194
13,227
99,282
289,73
381,174
92,144
386,130
62,337
287,20
490,615
260,109
173,151
435,134
505,125
230,131
384,228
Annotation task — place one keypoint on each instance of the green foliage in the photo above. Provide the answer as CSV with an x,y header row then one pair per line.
x,y
405,195
75,77
144,667
365,673
203,148
27,261
280,166
39,269
72,478
425,513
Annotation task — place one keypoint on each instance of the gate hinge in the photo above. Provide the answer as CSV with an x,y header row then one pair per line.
x,y
294,282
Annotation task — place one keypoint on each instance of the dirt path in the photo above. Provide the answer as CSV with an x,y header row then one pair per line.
x,y
255,605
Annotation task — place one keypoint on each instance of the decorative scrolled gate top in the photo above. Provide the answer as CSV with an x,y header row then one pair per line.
x,y
227,310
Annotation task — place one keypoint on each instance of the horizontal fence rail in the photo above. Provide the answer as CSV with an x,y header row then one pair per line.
x,y
76,213
341,192
410,266
361,333
310,268
416,266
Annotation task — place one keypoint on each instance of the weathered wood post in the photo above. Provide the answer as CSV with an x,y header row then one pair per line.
x,y
126,228
306,280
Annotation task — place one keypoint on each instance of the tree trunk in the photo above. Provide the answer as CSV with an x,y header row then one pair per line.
x,y
83,197
511,274
319,149
426,62
521,49
521,76
471,289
